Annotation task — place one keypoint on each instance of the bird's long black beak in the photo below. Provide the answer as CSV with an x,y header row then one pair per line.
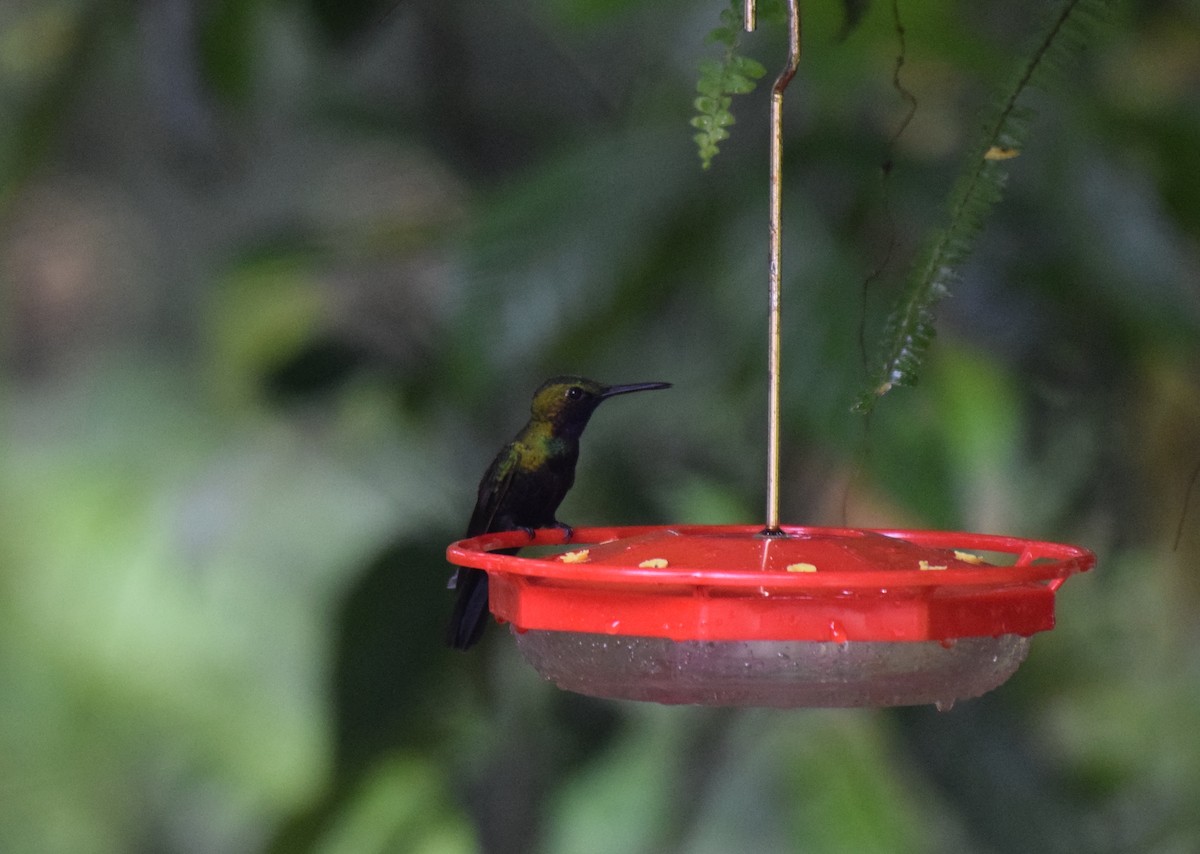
x,y
613,390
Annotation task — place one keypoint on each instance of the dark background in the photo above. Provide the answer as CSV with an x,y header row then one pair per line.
x,y
280,277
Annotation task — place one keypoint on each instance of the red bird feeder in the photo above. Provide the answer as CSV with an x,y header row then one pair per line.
x,y
725,615
774,616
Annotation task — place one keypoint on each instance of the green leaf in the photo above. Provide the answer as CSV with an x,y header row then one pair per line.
x,y
725,35
748,67
718,81
910,328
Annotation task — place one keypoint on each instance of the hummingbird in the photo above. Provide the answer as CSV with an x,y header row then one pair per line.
x,y
524,485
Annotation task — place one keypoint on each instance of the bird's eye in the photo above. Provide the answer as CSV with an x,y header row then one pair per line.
x,y
574,393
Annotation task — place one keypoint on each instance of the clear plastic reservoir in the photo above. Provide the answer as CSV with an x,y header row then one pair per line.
x,y
773,673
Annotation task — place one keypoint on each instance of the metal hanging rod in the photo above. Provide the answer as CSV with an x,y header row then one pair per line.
x,y
774,333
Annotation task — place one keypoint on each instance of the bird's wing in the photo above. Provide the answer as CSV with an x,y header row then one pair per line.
x,y
492,489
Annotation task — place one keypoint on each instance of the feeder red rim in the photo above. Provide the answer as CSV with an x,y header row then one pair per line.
x,y
1036,561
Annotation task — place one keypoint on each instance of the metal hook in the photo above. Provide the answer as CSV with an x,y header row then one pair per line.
x,y
774,333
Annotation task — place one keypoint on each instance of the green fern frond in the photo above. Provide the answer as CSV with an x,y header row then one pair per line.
x,y
910,329
719,82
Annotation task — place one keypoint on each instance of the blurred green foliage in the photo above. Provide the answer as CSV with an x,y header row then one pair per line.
x,y
279,277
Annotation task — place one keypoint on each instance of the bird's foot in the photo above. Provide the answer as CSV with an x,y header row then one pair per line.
x,y
567,531
529,532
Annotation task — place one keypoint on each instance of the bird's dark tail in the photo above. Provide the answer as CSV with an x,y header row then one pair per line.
x,y
470,616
